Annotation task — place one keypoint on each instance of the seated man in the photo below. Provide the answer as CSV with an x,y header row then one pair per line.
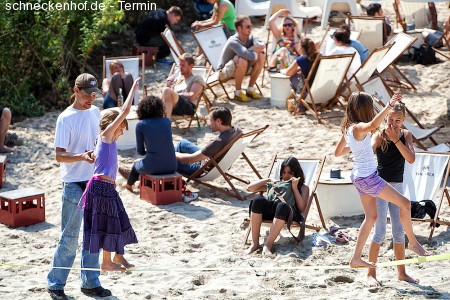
x,y
183,101
148,32
362,50
342,40
5,120
243,54
375,10
190,156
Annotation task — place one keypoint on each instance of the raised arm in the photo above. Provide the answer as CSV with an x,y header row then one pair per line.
x,y
302,196
273,27
258,186
406,150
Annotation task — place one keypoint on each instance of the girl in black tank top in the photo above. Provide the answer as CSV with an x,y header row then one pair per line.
x,y
392,146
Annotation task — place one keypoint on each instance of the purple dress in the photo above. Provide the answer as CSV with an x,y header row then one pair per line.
x,y
106,223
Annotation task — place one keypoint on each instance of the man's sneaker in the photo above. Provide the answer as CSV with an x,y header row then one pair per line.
x,y
96,292
242,97
124,172
254,95
57,294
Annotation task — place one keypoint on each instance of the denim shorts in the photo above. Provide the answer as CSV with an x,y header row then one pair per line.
x,y
370,185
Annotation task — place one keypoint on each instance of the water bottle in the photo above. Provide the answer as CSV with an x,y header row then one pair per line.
x,y
287,60
120,98
278,64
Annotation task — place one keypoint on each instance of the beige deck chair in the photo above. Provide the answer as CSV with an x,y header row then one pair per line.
x,y
312,168
400,43
421,14
377,88
373,31
130,65
426,179
327,42
348,6
445,39
329,83
294,8
220,169
251,8
212,41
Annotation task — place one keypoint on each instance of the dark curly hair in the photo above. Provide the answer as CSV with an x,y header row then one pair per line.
x,y
293,163
151,107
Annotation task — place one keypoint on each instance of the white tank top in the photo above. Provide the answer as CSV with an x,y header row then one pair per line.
x,y
363,156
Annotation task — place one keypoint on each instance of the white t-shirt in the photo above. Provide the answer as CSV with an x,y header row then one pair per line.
x,y
356,62
76,131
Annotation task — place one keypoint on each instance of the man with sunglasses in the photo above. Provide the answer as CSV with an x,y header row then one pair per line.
x,y
243,54
77,128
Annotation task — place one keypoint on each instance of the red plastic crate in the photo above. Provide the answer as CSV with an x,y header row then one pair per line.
x,y
149,54
161,189
2,170
22,207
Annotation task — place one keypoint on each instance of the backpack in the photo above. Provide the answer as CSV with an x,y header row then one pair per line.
x,y
419,209
425,55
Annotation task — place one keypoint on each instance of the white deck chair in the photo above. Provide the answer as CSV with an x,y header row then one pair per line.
x,y
377,88
130,65
400,43
220,169
294,8
420,13
329,83
312,168
251,8
327,43
372,30
339,5
426,179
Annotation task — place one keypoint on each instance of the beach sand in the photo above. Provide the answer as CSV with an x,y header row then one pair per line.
x,y
179,242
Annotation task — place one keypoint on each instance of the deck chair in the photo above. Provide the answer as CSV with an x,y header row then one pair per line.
x,y
312,169
400,43
220,169
426,179
212,41
445,40
327,42
296,10
251,8
377,88
130,65
373,31
329,83
339,5
420,13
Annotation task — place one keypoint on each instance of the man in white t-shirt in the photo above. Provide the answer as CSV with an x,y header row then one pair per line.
x,y
343,46
76,130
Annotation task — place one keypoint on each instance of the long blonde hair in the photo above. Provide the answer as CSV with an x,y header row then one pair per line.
x,y
281,28
359,109
399,107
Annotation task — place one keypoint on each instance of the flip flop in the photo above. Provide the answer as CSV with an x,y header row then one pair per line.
x,y
189,196
341,238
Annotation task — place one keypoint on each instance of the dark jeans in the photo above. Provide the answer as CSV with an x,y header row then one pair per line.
x,y
133,176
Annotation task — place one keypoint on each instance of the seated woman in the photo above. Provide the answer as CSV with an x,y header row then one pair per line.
x,y
223,13
154,140
288,40
111,87
295,196
343,46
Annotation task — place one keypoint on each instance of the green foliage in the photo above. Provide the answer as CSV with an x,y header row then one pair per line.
x,y
44,50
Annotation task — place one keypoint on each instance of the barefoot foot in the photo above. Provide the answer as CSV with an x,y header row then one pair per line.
x,y
267,251
111,267
407,278
252,248
122,261
359,263
373,282
127,186
419,250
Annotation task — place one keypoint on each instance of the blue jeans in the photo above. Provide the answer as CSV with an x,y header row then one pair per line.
x,y
109,102
66,250
186,146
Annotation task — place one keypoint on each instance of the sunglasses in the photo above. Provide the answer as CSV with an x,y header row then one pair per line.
x,y
288,25
248,26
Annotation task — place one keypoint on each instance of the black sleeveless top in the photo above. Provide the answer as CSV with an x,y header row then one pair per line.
x,y
391,163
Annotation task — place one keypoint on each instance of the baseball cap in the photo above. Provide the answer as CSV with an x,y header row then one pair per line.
x,y
88,83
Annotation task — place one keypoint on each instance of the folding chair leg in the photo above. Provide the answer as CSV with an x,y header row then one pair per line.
x,y
316,199
247,234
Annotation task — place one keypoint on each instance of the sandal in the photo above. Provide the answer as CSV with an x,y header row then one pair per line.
x,y
341,238
189,196
273,70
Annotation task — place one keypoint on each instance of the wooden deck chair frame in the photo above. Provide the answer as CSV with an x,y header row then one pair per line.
x,y
401,18
387,63
308,91
221,168
312,197
142,62
367,26
439,192
326,38
375,87
213,78
445,38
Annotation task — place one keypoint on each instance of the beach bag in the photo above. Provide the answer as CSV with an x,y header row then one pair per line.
x,y
425,55
432,38
203,9
419,209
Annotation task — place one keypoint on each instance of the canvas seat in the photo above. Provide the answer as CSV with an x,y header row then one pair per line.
x,y
339,5
420,13
327,42
251,8
305,12
372,30
221,169
312,168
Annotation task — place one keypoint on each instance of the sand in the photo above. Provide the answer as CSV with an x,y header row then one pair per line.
x,y
178,241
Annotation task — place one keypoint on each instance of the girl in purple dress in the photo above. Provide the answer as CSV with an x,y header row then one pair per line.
x,y
106,223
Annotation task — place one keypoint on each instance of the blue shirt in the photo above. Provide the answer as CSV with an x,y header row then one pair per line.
x,y
362,50
105,158
305,65
154,140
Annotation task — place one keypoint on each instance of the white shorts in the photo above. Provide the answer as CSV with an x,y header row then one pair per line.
x,y
228,70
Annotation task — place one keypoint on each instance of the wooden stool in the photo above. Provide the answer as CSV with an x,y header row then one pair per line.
x,y
22,207
149,54
2,170
161,189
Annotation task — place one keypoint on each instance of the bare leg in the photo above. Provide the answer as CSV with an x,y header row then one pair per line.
x,y
275,230
119,259
239,72
388,193
399,251
5,120
255,223
256,69
108,265
127,186
370,210
170,99
374,250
